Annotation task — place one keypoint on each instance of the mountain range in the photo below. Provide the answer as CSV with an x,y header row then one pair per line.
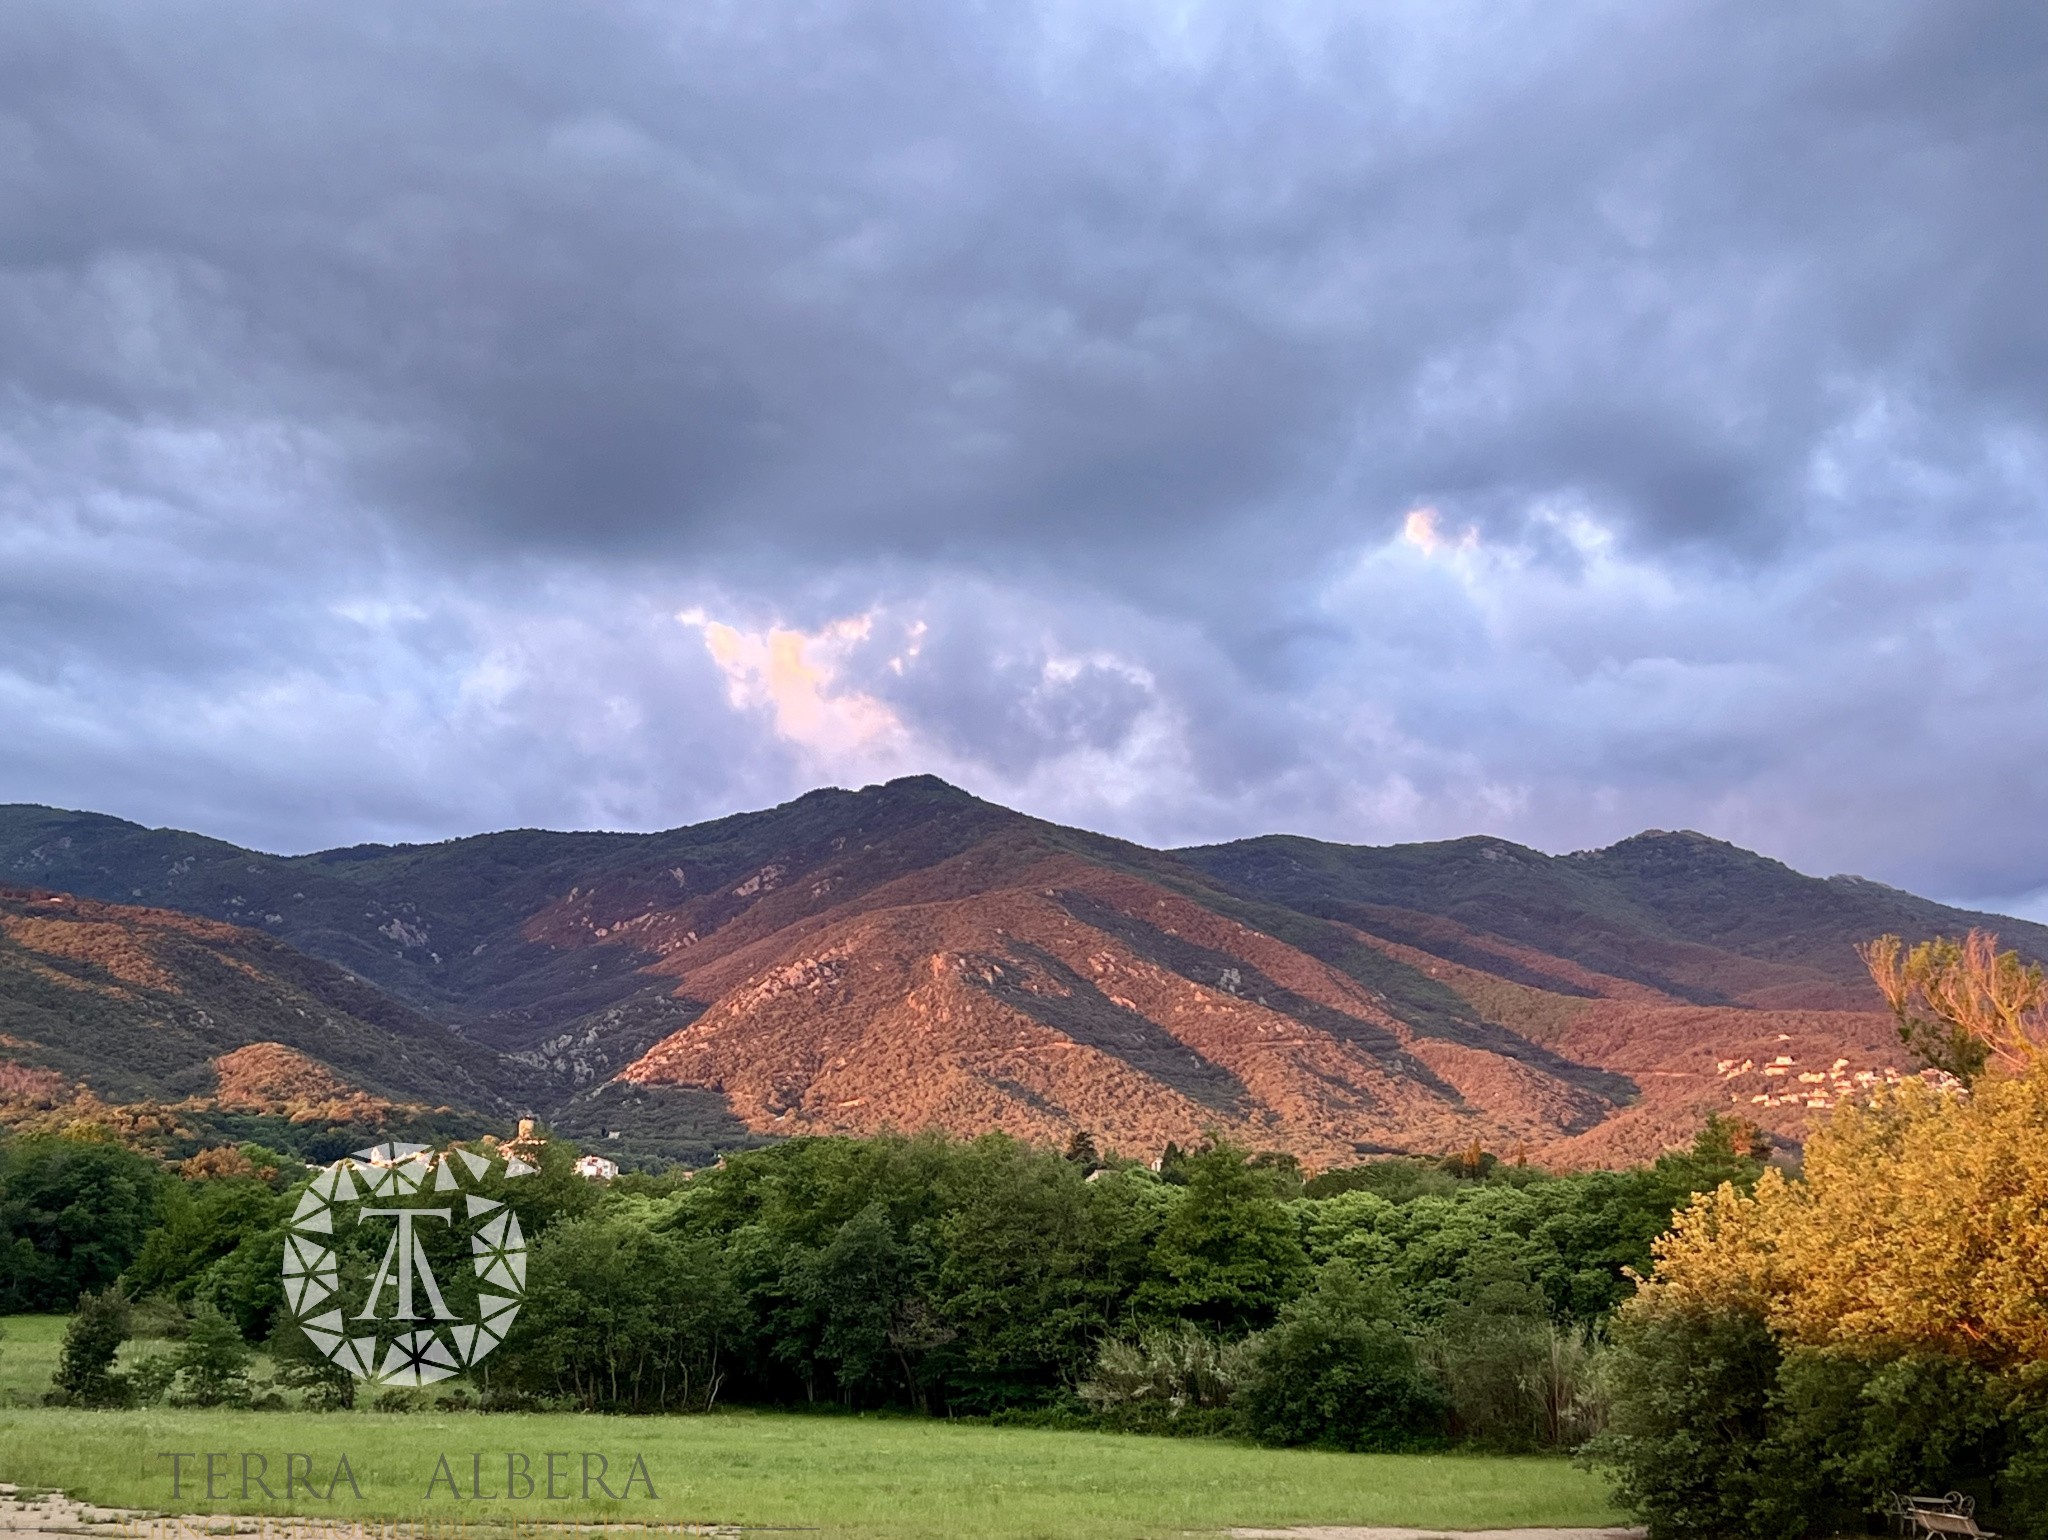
x,y
909,956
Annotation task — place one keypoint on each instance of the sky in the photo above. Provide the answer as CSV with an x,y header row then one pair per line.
x,y
1379,421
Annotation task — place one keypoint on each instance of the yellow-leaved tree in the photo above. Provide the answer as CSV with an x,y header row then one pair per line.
x,y
1922,1223
1922,1219
1962,1004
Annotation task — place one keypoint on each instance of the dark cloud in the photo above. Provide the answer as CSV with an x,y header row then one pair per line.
x,y
377,384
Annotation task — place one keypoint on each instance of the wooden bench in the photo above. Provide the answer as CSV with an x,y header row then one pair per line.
x,y
1951,1514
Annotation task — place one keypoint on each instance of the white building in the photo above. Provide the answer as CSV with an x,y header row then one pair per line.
x,y
595,1168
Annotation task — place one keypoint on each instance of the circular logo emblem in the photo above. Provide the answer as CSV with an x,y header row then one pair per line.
x,y
373,1261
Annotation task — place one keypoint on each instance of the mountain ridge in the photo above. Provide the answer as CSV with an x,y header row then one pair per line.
x,y
909,955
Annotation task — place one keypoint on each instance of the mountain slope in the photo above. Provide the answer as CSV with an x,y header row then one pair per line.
x,y
909,956
125,1005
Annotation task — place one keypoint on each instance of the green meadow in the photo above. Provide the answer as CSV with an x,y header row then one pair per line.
x,y
863,1478
29,1347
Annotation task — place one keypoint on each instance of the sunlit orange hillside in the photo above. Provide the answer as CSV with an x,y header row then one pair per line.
x,y
911,957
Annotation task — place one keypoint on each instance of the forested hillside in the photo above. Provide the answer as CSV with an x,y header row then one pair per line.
x,y
182,1031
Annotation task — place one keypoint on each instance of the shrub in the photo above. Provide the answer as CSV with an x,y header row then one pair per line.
x,y
1715,1431
151,1379
2023,1483
1688,1401
298,1365
1167,1382
1516,1380
1336,1371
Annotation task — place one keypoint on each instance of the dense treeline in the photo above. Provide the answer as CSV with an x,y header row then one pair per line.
x,y
1391,1305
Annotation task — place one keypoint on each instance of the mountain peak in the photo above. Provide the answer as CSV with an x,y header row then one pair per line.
x,y
924,787
1668,839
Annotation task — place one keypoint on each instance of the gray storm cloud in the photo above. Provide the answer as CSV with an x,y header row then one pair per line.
x,y
1189,420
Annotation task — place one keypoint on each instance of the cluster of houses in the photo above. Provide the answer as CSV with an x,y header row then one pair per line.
x,y
1780,1082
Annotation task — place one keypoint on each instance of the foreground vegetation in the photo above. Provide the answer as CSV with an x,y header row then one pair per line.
x,y
1809,1346
1407,1304
853,1476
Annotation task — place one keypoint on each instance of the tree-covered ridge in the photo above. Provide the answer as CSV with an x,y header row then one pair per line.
x,y
176,1032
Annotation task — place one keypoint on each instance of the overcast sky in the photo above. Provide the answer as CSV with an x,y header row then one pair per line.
x,y
1378,421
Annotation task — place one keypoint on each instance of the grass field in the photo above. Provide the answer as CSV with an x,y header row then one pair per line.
x,y
29,1345
28,1356
861,1478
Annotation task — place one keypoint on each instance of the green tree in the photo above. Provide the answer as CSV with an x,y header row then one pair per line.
x,y
825,1242
200,1224
1033,1264
1577,1238
621,1316
1689,1403
73,1214
1227,1256
213,1361
1337,1371
85,1367
851,1293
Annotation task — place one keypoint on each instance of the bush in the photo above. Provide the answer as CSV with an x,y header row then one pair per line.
x,y
1714,1431
1517,1381
1167,1382
1924,1421
1336,1371
150,1380
2023,1483
1688,1408
296,1364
